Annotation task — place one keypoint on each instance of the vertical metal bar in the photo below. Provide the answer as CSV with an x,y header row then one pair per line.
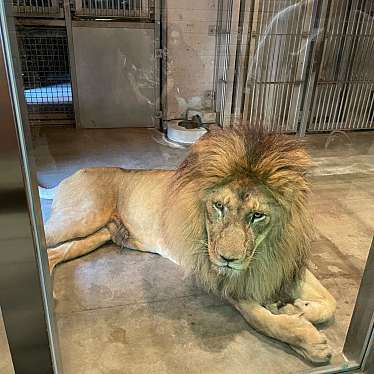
x,y
27,302
346,105
273,88
291,63
249,52
267,76
365,106
362,322
265,67
354,109
321,114
329,103
78,6
313,68
295,94
157,64
253,79
279,97
164,67
73,73
371,109
259,70
227,11
367,365
240,71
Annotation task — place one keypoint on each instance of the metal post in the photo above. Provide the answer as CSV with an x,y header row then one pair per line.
x,y
158,62
25,288
314,64
362,324
227,15
164,62
73,74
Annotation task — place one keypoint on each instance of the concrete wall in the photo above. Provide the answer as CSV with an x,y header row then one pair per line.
x,y
191,54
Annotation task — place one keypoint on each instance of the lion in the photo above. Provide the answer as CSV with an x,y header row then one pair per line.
x,y
234,214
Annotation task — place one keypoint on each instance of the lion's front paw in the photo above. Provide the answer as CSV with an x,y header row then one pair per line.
x,y
314,347
314,311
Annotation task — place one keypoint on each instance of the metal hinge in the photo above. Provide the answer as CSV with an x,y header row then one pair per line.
x,y
158,114
161,53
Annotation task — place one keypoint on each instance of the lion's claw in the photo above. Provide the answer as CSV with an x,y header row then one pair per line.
x,y
315,348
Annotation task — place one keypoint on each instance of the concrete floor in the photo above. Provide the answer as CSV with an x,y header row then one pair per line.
x,y
129,312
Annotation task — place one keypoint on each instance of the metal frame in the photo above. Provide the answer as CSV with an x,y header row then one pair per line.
x,y
227,15
73,73
45,61
164,63
313,66
160,62
34,282
27,302
343,82
112,9
48,8
304,100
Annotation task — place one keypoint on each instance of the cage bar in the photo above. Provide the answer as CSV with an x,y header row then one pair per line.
x,y
37,8
346,70
132,9
46,74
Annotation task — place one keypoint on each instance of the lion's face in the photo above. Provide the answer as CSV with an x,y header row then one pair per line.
x,y
239,216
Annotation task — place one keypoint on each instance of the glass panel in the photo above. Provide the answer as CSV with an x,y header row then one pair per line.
x,y
6,365
103,70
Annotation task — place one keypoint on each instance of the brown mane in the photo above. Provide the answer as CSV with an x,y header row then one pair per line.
x,y
276,161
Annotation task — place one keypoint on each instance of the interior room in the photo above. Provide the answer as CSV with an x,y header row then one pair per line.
x,y
134,84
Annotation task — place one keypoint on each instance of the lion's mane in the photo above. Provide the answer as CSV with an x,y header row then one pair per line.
x,y
277,161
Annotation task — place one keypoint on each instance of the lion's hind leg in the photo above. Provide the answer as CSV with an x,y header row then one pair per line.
x,y
78,247
84,203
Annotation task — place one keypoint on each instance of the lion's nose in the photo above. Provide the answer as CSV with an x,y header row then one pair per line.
x,y
228,259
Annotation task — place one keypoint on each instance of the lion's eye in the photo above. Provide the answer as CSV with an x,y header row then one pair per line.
x,y
257,216
219,206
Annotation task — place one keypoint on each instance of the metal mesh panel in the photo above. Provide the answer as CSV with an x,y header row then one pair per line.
x,y
279,32
46,74
115,8
33,8
344,95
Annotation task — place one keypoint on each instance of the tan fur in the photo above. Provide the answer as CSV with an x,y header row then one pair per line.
x,y
275,162
202,216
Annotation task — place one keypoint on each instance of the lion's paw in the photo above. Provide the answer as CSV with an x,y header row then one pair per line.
x,y
315,348
314,311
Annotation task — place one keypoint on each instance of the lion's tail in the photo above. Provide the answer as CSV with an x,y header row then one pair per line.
x,y
47,193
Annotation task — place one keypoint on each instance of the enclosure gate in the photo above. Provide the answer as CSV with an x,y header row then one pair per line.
x,y
60,54
302,66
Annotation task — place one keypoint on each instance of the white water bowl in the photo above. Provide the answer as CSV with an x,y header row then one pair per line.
x,y
182,135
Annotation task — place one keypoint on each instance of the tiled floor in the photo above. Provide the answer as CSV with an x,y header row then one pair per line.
x,y
129,312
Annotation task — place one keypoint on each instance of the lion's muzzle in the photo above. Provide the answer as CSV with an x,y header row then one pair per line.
x,y
231,247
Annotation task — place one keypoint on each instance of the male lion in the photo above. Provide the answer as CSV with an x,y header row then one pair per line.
x,y
233,214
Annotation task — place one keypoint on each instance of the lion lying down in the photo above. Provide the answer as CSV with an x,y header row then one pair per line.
x,y
233,214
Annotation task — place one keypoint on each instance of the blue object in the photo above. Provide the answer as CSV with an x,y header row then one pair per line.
x,y
54,94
